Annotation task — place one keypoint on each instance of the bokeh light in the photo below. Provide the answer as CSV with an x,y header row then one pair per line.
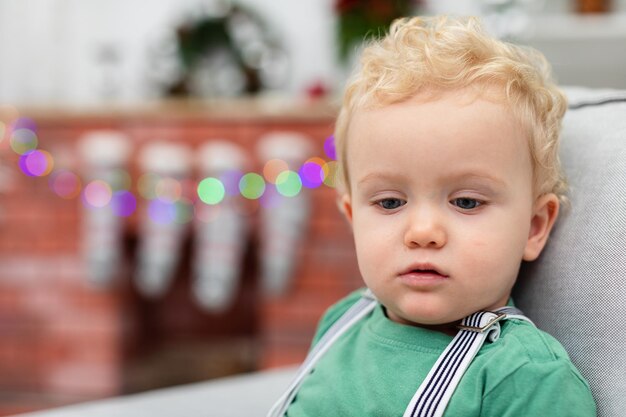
x,y
120,180
330,173
168,189
288,183
65,184
252,186
23,140
24,123
273,168
183,211
329,147
162,212
97,194
123,203
36,163
146,185
171,200
271,197
312,172
167,212
230,179
211,191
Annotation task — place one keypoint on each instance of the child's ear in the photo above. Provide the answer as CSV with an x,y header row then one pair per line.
x,y
545,212
345,206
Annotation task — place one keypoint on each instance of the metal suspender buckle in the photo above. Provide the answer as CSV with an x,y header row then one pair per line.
x,y
497,316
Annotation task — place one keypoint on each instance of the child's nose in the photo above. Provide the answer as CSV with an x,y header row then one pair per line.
x,y
425,229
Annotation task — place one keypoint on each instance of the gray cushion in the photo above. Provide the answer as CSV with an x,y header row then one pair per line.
x,y
576,290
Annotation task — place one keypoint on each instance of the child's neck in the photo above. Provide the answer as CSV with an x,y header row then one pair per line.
x,y
451,329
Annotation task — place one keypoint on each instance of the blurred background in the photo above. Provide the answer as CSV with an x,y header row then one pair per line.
x,y
167,202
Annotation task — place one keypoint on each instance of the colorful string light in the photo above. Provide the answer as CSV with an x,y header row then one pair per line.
x,y
123,203
230,179
330,173
252,186
120,180
329,147
146,185
23,140
273,168
271,198
97,194
183,211
170,200
161,212
65,184
168,189
36,163
288,183
312,172
211,191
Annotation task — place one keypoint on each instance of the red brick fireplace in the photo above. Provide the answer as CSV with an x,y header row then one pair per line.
x,y
62,341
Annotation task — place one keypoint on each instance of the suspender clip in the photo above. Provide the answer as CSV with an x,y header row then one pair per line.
x,y
497,316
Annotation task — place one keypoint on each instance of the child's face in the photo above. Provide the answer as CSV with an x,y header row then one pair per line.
x,y
442,205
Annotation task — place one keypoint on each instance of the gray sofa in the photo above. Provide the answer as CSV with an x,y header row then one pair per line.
x,y
577,289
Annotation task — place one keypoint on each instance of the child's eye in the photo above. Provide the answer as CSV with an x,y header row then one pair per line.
x,y
390,203
466,203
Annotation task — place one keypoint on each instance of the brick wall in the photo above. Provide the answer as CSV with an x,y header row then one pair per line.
x,y
62,341
59,340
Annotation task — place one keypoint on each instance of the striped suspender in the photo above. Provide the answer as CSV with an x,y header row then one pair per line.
x,y
433,395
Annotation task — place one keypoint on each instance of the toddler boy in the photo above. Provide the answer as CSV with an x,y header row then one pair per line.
x,y
448,144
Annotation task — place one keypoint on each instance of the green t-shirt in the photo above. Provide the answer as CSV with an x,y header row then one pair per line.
x,y
376,367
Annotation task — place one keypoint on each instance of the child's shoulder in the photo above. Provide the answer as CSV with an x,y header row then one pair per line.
x,y
534,344
529,354
533,372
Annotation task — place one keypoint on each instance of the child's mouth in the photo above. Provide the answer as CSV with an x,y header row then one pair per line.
x,y
425,271
422,275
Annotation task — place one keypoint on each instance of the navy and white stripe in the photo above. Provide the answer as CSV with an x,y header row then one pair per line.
x,y
436,390
432,397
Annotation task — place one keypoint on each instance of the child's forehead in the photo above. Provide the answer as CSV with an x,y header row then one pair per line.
x,y
458,129
460,96
439,104
443,104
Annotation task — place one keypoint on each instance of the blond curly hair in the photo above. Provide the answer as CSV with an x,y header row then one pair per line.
x,y
443,53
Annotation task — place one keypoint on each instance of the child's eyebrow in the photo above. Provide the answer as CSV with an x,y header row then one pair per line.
x,y
380,176
460,176
476,176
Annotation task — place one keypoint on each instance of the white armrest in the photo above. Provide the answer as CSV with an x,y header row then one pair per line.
x,y
248,395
